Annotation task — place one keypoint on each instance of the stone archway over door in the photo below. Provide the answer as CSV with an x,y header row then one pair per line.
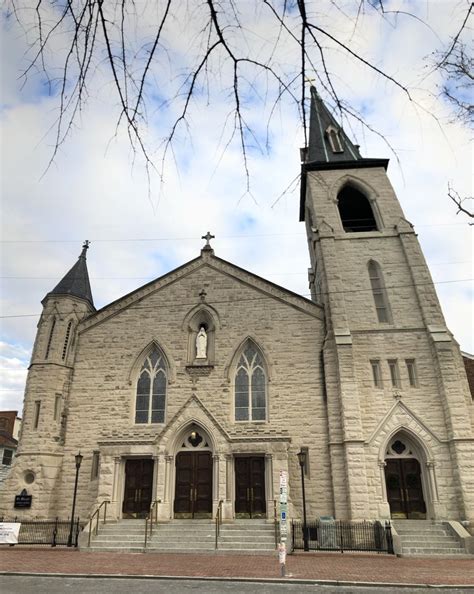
x,y
404,482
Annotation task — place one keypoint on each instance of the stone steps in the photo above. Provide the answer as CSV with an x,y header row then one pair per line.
x,y
424,538
185,536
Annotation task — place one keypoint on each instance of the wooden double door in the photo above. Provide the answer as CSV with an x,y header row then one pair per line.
x,y
250,487
404,488
193,495
138,487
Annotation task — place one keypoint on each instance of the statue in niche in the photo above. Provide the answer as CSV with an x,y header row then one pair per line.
x,y
201,343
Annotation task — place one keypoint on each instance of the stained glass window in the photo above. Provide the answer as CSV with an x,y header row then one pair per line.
x,y
250,386
151,390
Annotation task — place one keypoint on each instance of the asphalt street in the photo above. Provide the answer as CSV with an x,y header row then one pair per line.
x,y
110,585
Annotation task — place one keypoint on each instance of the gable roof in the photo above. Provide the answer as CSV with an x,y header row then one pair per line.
x,y
207,258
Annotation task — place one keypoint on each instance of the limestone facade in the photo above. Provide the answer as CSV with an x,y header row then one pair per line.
x,y
365,376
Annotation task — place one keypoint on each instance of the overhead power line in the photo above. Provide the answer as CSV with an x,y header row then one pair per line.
x,y
174,304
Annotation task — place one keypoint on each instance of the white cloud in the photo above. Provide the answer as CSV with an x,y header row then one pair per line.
x,y
94,190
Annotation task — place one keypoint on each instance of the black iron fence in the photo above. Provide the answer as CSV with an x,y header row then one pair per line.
x,y
46,532
343,536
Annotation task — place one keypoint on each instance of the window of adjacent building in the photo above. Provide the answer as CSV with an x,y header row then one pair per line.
x,y
57,406
334,137
377,373
378,292
95,466
50,339
394,373
37,413
411,370
355,210
250,386
66,340
7,457
151,390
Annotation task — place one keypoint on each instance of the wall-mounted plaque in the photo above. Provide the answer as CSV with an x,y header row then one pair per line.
x,y
23,499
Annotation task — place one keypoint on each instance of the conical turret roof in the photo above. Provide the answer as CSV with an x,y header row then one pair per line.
x,y
76,282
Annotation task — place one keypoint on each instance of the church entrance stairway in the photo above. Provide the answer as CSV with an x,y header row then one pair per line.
x,y
426,538
185,536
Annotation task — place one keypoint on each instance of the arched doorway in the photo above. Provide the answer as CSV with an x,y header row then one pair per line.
x,y
194,469
403,480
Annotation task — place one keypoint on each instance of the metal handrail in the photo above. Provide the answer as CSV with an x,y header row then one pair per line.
x,y
97,514
218,520
275,522
149,518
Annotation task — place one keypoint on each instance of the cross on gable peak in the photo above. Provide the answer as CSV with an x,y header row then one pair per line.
x,y
208,238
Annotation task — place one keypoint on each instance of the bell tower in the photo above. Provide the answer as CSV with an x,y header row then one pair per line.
x,y
387,348
45,407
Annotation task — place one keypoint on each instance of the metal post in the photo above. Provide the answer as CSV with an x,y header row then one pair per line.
x,y
302,460
78,458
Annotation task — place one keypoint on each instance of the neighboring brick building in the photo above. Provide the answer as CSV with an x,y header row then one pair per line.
x,y
9,430
365,376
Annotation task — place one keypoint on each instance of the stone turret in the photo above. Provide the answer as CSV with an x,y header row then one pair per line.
x,y
45,409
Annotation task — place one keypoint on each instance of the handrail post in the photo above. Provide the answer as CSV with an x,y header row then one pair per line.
x,y
218,521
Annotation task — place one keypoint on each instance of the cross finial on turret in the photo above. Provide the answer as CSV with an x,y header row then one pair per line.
x,y
208,237
85,247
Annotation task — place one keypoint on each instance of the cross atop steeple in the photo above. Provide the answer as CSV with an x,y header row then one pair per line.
x,y
208,237
85,247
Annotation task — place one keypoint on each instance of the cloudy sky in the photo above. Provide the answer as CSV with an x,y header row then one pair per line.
x,y
140,228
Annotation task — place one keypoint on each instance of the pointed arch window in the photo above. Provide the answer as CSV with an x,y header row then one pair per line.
x,y
50,338
151,389
334,137
378,291
355,210
66,339
250,386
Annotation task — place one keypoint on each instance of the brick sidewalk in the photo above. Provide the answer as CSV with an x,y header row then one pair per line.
x,y
321,566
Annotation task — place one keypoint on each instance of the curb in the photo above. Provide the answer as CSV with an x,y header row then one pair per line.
x,y
238,579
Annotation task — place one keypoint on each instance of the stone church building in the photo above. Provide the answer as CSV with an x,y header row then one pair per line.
x,y
202,385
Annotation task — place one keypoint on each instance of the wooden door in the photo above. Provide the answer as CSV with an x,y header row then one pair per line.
x,y
250,487
193,495
404,488
138,487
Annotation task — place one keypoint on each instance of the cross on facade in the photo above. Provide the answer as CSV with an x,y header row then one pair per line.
x,y
203,294
208,237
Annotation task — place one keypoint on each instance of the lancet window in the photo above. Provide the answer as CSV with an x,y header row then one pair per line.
x,y
378,291
151,389
250,386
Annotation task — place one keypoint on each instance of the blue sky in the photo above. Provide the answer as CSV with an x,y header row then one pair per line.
x,y
96,190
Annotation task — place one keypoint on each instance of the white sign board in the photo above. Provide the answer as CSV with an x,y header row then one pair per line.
x,y
9,532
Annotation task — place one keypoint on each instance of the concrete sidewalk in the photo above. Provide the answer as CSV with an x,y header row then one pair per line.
x,y
319,567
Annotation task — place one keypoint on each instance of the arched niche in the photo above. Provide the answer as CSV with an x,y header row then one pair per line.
x,y
206,318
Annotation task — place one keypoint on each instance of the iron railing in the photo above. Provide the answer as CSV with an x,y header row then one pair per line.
x,y
96,516
343,536
46,532
151,518
218,521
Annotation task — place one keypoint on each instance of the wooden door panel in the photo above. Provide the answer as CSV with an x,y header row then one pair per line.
x,y
250,486
193,493
404,488
138,487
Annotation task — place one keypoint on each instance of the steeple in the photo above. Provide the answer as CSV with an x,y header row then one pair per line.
x,y
329,147
76,281
328,143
